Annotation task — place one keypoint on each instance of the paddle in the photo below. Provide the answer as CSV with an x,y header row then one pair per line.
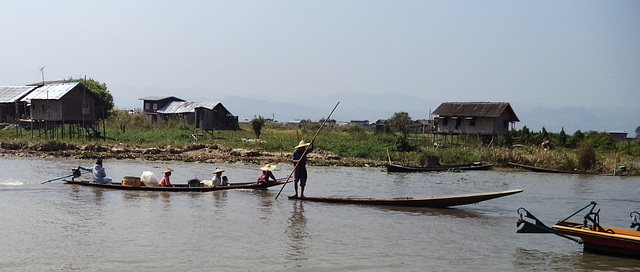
x,y
56,179
305,150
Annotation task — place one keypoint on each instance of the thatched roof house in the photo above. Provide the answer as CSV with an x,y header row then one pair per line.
x,y
482,118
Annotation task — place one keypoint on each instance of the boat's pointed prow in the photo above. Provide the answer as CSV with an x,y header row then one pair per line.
x,y
432,201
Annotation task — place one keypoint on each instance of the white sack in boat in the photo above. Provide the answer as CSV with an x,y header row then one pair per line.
x,y
149,179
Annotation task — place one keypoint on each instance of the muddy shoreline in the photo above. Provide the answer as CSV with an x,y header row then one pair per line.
x,y
205,153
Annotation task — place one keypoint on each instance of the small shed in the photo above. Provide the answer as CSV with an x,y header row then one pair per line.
x,y
66,102
217,117
151,105
423,126
206,115
481,118
382,126
619,135
359,122
11,108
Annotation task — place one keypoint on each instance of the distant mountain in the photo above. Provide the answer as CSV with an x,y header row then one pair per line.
x,y
352,106
358,106
249,108
584,119
361,106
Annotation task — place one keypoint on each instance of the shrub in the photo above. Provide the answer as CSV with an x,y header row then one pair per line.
x,y
602,140
586,155
429,159
256,126
568,165
577,137
401,144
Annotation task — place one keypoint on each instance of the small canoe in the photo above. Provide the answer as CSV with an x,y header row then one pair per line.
x,y
432,201
177,188
468,166
544,170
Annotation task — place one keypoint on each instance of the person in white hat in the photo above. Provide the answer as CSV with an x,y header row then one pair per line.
x,y
217,179
165,182
300,173
267,172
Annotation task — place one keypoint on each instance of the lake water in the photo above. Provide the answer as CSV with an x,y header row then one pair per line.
x,y
60,227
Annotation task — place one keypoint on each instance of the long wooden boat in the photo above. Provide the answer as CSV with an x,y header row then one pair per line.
x,y
468,166
432,202
541,169
595,237
177,188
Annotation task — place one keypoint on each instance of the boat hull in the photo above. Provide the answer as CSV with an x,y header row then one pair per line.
x,y
432,202
621,242
177,188
543,170
469,166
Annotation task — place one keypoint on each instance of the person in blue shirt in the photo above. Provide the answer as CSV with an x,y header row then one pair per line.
x,y
99,176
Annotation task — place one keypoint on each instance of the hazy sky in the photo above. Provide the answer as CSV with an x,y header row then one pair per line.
x,y
564,53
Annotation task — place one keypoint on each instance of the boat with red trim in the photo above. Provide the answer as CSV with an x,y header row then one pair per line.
x,y
595,237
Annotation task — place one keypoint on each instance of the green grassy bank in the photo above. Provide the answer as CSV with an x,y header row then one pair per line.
x,y
565,152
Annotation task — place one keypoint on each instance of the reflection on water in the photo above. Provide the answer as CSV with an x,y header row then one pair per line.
x,y
95,229
137,195
265,203
297,233
221,200
452,212
532,259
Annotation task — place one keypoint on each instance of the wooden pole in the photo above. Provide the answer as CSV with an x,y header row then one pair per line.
x,y
305,151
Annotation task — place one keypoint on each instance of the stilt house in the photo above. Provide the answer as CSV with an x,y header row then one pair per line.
x,y
481,118
64,102
151,105
11,108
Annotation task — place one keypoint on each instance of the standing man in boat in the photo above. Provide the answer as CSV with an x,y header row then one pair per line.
x,y
300,162
97,170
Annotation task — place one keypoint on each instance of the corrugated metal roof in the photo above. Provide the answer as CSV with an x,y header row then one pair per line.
x,y
158,98
10,94
185,107
53,91
474,109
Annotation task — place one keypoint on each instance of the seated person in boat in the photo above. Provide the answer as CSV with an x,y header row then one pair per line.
x,y
266,174
165,182
225,181
99,176
217,179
